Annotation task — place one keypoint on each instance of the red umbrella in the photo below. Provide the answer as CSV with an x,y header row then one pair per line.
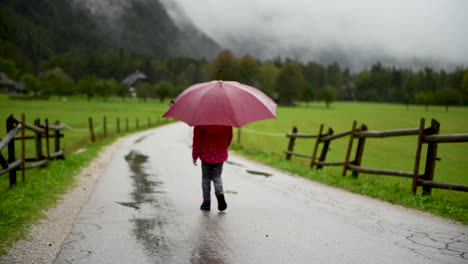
x,y
223,103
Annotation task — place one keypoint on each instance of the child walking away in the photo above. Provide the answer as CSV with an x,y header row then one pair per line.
x,y
210,144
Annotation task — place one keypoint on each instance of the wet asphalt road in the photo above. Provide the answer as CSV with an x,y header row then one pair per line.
x,y
145,209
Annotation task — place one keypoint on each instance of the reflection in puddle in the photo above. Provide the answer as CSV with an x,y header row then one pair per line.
x,y
210,246
154,241
143,186
150,229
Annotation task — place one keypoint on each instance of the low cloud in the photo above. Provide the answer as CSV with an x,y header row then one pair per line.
x,y
356,33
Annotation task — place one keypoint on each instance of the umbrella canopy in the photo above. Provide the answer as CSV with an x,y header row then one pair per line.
x,y
223,103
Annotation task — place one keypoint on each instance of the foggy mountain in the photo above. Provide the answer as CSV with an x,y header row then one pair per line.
x,y
33,31
356,34
303,31
355,59
144,27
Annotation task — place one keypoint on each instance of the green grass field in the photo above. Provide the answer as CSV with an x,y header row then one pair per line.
x,y
396,153
263,141
73,113
24,204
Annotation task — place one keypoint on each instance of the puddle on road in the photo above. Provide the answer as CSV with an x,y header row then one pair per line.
x,y
144,187
140,139
151,222
260,173
131,205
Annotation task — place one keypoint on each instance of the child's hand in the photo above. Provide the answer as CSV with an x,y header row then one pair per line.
x,y
195,162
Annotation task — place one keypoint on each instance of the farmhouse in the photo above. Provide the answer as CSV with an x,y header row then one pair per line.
x,y
9,86
349,91
133,80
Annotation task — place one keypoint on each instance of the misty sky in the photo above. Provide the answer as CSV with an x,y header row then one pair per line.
x,y
302,29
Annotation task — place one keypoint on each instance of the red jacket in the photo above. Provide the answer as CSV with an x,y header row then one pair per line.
x,y
211,143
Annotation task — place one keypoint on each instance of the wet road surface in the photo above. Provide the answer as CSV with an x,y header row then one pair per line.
x,y
145,209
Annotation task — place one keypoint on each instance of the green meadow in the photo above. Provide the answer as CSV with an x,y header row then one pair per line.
x,y
263,141
25,203
73,113
396,153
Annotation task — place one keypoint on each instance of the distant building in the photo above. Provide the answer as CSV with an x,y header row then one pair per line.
x,y
348,91
133,80
9,86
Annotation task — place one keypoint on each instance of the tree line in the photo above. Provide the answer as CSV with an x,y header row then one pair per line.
x,y
99,74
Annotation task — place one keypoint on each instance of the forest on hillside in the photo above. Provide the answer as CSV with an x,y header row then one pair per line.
x,y
57,48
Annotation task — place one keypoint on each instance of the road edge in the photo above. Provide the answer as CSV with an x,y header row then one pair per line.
x,y
46,237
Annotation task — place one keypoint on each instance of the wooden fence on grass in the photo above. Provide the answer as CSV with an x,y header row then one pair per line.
x,y
118,128
41,132
12,163
429,136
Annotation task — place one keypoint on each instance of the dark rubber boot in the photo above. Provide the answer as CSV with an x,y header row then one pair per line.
x,y
206,205
221,202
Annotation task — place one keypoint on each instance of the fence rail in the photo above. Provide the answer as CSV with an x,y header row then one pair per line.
x,y
118,127
12,163
42,134
429,136
389,133
447,138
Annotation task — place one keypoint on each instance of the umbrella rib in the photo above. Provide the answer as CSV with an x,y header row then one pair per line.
x,y
236,121
252,93
261,105
201,100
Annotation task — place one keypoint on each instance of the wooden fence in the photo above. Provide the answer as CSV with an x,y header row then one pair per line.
x,y
13,163
118,128
41,132
429,136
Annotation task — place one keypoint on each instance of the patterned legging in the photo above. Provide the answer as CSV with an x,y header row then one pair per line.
x,y
211,172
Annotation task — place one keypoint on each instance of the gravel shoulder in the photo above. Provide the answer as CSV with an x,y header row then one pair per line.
x,y
46,237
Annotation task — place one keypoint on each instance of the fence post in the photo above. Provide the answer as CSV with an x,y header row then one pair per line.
x,y
431,157
38,137
10,124
317,142
91,129
417,159
359,150
57,137
23,147
149,121
238,135
126,123
291,143
326,145
350,146
47,138
118,125
104,126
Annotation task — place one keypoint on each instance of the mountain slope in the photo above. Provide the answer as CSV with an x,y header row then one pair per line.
x,y
39,29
